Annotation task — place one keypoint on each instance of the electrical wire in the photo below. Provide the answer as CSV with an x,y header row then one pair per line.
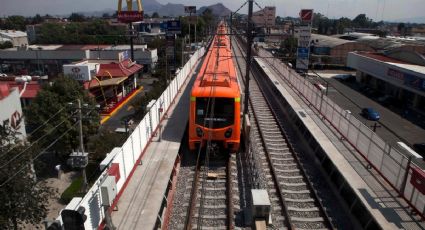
x,y
39,127
38,155
22,152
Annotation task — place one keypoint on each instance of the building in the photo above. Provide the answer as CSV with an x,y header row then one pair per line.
x,y
49,59
333,51
398,78
107,81
265,18
18,38
11,111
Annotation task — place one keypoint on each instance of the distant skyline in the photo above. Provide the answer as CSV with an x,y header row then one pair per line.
x,y
387,10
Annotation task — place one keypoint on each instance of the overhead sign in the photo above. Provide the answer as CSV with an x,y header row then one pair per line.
x,y
77,72
302,52
192,19
174,27
306,15
190,9
130,16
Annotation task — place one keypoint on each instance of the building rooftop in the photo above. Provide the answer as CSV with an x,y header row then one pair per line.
x,y
13,33
379,57
327,41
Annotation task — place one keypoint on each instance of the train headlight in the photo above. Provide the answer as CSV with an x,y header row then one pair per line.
x,y
199,132
228,133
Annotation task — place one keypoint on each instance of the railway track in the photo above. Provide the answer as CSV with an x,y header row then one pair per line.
x,y
295,203
211,203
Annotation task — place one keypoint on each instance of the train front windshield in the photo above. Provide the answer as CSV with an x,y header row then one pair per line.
x,y
222,115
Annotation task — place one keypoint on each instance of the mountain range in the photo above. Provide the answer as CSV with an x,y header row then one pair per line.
x,y
169,9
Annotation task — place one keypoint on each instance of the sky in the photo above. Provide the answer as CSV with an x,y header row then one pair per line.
x,y
376,9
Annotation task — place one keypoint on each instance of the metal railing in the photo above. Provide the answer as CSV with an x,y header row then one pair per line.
x,y
395,167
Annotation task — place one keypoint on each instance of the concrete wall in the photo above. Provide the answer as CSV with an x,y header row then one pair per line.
x,y
12,105
130,153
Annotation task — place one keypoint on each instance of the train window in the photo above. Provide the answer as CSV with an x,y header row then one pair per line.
x,y
224,112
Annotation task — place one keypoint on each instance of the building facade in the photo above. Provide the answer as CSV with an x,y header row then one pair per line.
x,y
11,111
390,76
265,17
17,38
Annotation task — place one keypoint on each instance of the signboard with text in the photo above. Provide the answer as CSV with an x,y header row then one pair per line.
x,y
77,72
174,27
130,16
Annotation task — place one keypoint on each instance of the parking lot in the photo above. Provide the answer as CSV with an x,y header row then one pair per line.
x,y
392,126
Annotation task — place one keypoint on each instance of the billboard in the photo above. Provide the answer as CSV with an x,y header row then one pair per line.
x,y
130,16
122,56
174,27
77,72
190,9
306,15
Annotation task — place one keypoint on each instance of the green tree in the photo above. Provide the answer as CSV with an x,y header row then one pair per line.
x,y
155,15
75,17
37,19
54,99
362,21
15,23
6,44
23,199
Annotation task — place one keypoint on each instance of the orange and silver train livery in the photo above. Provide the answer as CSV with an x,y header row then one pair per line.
x,y
215,100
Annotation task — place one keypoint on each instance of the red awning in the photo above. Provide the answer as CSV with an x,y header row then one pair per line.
x,y
123,69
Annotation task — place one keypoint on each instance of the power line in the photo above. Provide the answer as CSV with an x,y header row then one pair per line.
x,y
38,155
21,153
39,127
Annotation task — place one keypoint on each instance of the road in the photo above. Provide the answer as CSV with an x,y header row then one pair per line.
x,y
393,127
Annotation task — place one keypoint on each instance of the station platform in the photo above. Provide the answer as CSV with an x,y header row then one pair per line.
x,y
387,209
141,201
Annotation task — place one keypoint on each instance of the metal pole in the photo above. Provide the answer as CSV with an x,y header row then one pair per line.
x,y
182,52
195,31
190,15
248,58
131,41
80,124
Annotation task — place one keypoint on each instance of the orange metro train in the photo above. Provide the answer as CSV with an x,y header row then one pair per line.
x,y
215,100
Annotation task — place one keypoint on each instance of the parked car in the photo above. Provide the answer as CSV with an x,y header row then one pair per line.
x,y
3,75
345,77
420,148
370,114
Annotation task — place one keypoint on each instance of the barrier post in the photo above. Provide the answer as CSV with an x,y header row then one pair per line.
x,y
406,175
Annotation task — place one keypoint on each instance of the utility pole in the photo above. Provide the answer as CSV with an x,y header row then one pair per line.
x,y
248,58
131,41
80,126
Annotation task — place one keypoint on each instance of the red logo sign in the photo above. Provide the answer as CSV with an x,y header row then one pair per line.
x,y
75,70
130,16
15,120
306,15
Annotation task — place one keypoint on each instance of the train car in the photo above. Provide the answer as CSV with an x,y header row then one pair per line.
x,y
215,100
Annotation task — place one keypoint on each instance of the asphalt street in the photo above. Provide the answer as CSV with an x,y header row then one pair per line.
x,y
391,127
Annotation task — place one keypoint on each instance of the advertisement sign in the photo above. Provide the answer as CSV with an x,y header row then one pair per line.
x,y
174,27
122,56
190,9
302,52
77,72
306,15
130,16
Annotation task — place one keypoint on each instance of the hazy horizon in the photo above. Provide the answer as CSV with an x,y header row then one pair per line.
x,y
387,10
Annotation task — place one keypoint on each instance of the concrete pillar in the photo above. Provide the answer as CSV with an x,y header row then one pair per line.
x,y
359,76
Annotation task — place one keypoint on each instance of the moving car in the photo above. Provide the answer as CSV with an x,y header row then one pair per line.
x,y
370,114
